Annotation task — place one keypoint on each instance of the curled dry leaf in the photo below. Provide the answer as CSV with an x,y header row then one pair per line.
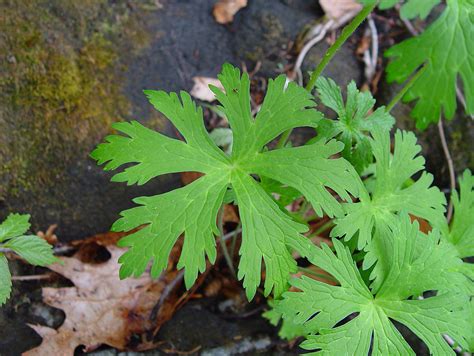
x,y
224,10
201,89
100,309
335,9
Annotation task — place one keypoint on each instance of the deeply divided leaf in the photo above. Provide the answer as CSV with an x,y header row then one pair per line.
x,y
446,48
350,319
269,234
354,120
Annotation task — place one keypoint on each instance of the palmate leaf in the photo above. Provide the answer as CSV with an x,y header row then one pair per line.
x,y
353,122
411,271
268,233
447,50
378,209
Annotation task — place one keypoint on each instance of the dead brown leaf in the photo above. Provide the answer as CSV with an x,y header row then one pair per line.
x,y
100,309
335,9
201,89
224,10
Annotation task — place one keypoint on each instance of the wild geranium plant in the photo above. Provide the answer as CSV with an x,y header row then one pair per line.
x,y
32,248
383,270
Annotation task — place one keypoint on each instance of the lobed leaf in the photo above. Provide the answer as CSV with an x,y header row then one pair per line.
x,y
446,49
354,120
378,209
319,307
268,233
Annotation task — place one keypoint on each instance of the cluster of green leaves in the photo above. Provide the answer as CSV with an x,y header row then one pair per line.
x,y
32,248
413,264
268,232
399,263
445,48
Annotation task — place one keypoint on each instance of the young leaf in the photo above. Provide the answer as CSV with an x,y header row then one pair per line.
x,y
410,8
33,249
14,225
319,306
268,233
354,120
5,279
378,209
447,50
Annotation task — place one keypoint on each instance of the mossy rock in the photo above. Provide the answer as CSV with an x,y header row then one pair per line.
x,y
61,88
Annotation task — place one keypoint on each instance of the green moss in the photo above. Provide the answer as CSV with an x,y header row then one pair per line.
x,y
59,85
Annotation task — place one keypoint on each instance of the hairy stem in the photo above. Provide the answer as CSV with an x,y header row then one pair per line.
x,y
402,92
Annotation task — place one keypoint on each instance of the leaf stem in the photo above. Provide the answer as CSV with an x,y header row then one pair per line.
x,y
346,33
326,226
326,277
402,92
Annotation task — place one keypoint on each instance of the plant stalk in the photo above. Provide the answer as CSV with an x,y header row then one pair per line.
x,y
346,33
402,92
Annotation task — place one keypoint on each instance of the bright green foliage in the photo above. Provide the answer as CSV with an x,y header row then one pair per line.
x,y
32,248
14,225
461,231
460,237
268,232
5,279
447,50
410,8
354,120
390,195
417,264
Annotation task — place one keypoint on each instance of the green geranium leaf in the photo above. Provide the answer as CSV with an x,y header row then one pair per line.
x,y
411,271
268,233
446,48
353,122
389,195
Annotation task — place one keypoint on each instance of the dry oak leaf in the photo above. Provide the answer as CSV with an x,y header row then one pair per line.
x,y
224,10
335,9
100,309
